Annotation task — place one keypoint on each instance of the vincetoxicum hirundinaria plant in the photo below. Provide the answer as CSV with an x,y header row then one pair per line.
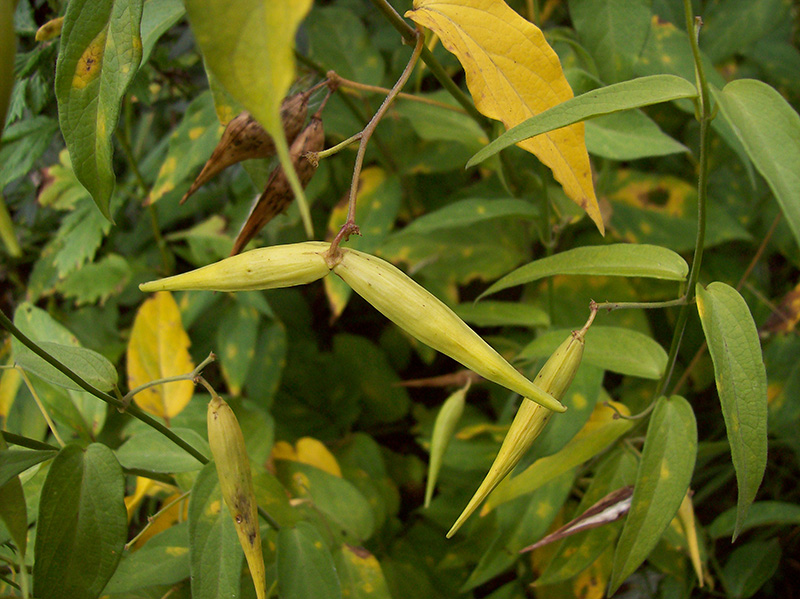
x,y
618,116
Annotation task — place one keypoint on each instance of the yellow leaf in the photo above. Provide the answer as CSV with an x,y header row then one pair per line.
x,y
132,502
159,348
689,529
513,74
308,451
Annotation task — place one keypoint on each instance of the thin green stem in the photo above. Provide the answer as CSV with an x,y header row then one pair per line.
x,y
335,149
611,306
409,36
704,115
134,411
13,439
191,376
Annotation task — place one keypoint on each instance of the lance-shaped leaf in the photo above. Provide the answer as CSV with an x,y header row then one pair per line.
x,y
741,383
619,259
769,130
13,511
627,95
82,524
665,470
443,430
513,74
252,56
159,348
101,48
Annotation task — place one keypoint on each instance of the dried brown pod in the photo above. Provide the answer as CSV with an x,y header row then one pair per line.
x,y
278,193
244,138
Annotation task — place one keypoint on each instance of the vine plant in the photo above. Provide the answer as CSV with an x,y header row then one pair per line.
x,y
328,492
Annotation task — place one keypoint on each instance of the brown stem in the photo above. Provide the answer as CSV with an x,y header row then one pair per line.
x,y
350,227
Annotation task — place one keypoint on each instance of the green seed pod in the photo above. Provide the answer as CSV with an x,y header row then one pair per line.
x,y
425,317
236,483
263,268
554,377
443,428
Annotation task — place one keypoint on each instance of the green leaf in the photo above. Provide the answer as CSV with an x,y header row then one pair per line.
x,y
520,522
731,27
273,497
628,135
464,213
151,451
95,283
262,382
335,497
64,346
339,40
86,363
237,335
620,260
16,461
769,129
79,237
579,551
761,513
606,100
611,348
24,142
13,510
8,47
215,556
360,574
750,566
99,55
735,348
190,145
305,565
499,314
613,32
163,560
82,524
585,445
664,474
435,123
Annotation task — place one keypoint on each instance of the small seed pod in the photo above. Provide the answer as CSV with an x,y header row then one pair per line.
x,y
425,317
278,192
554,378
264,268
244,138
236,484
443,429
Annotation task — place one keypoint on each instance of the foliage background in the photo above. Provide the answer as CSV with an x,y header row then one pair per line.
x,y
314,362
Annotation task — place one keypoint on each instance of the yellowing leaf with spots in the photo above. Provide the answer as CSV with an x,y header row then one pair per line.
x,y
513,74
665,470
190,145
159,348
100,51
360,574
599,432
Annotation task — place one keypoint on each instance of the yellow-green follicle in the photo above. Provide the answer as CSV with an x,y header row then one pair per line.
x,y
236,485
264,268
425,317
443,428
554,377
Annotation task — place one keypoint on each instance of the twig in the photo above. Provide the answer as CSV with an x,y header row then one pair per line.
x,y
350,227
611,306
